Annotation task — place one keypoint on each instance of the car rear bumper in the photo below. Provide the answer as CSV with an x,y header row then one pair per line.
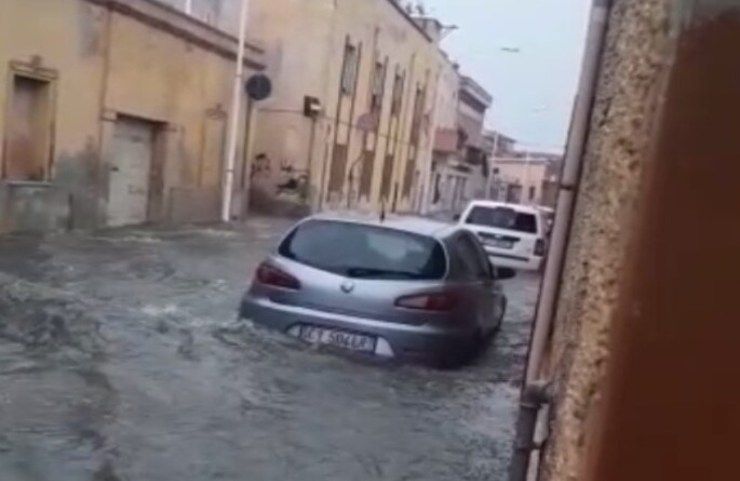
x,y
419,343
522,263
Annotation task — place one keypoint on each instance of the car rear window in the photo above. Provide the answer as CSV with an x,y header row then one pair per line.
x,y
503,218
366,252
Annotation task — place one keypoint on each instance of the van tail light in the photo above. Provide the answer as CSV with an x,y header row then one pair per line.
x,y
270,275
539,247
434,302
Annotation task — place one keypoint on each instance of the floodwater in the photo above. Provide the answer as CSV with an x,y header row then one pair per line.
x,y
121,359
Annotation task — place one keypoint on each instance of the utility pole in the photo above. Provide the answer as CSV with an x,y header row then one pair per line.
x,y
527,175
491,168
234,113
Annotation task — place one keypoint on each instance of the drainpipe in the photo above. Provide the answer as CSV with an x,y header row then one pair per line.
x,y
235,112
533,395
569,184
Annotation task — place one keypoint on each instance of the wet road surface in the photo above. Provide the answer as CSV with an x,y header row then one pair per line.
x,y
121,359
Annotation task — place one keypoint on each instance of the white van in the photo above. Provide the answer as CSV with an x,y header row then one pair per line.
x,y
513,235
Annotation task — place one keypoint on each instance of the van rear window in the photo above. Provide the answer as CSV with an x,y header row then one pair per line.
x,y
503,218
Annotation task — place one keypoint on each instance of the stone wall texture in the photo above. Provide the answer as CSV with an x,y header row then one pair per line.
x,y
633,72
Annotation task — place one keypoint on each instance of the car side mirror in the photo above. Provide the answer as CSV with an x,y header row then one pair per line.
x,y
503,273
456,217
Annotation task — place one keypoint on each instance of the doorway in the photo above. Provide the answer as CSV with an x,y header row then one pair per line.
x,y
130,171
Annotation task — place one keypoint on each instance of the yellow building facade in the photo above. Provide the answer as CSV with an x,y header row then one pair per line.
x,y
112,112
352,118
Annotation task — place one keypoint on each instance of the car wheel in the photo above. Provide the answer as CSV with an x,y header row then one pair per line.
x,y
500,322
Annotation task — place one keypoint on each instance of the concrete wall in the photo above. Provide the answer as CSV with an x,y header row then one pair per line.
x,y
623,124
646,334
133,59
305,44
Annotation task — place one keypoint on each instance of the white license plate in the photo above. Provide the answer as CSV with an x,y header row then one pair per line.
x,y
332,337
501,244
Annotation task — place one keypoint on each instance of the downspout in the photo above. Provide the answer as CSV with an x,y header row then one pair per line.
x,y
534,396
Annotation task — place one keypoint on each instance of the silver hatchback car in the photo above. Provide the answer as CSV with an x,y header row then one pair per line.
x,y
407,289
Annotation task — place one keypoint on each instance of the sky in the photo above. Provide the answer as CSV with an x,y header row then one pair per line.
x,y
533,89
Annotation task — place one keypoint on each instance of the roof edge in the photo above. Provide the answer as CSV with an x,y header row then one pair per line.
x,y
411,20
168,19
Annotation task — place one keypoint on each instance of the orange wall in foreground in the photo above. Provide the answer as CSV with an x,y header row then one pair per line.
x,y
672,395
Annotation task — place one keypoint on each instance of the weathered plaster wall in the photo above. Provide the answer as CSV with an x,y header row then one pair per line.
x,y
133,59
637,53
671,407
304,44
68,39
160,78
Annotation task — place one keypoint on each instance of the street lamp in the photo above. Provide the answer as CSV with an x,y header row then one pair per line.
x,y
234,113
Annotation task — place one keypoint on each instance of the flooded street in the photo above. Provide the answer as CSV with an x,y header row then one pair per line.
x,y
121,359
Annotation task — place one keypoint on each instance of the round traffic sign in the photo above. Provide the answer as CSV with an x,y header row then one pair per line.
x,y
259,87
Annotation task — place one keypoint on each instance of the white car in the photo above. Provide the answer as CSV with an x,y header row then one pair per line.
x,y
513,235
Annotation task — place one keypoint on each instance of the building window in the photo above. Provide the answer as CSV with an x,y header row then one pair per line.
x,y
419,101
338,170
349,69
28,137
378,86
397,94
532,192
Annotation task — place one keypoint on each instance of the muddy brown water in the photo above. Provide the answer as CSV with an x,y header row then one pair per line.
x,y
121,359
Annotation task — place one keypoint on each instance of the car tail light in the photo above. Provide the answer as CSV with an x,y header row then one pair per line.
x,y
436,302
539,247
270,275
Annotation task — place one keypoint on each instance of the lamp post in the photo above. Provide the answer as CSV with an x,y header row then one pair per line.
x,y
234,113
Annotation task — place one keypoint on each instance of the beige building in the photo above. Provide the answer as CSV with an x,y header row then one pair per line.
x,y
372,73
519,180
383,89
460,159
113,112
447,142
526,178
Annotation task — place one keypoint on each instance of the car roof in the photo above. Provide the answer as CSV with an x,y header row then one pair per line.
x,y
414,225
517,207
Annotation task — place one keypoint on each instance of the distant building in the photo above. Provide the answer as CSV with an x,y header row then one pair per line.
x,y
447,143
498,144
526,178
114,114
461,156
